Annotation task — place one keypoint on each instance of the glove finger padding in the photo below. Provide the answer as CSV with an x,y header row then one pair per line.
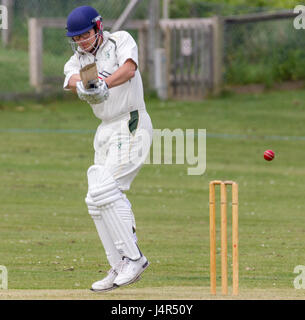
x,y
81,92
95,95
100,93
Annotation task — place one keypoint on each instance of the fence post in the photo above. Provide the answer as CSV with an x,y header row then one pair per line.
x,y
142,41
165,9
161,73
119,23
217,50
35,53
7,33
167,46
153,38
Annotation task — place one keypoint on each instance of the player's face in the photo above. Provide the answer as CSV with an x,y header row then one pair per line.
x,y
86,40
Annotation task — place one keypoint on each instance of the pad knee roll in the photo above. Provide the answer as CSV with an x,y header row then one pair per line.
x,y
103,189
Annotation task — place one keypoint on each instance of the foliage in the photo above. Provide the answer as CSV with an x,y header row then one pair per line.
x,y
263,52
199,8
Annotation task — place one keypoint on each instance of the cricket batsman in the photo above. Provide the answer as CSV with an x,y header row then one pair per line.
x,y
122,140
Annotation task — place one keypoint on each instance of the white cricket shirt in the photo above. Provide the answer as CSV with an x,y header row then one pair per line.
x,y
112,54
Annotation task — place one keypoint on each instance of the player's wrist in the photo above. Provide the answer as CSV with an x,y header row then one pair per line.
x,y
107,84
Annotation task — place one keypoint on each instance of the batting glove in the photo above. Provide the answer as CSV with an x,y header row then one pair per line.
x,y
95,95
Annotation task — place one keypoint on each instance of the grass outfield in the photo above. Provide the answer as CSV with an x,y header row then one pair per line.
x,y
14,75
48,240
151,293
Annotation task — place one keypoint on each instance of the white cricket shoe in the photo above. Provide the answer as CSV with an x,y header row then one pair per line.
x,y
130,271
105,284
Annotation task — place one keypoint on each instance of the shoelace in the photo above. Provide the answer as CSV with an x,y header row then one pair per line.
x,y
117,267
125,265
112,271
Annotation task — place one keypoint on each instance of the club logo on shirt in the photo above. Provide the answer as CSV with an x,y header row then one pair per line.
x,y
107,54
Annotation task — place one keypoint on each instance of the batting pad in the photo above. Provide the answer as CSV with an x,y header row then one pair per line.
x,y
122,235
111,251
105,194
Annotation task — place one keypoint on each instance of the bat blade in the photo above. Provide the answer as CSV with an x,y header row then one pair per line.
x,y
89,75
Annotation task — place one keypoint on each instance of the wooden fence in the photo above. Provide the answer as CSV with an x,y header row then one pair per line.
x,y
36,26
191,54
192,49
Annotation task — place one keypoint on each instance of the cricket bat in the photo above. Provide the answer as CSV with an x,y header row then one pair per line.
x,y
89,75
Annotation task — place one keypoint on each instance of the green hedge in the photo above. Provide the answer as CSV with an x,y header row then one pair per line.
x,y
264,52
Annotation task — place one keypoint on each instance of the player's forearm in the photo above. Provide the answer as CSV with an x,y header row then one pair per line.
x,y
72,82
123,74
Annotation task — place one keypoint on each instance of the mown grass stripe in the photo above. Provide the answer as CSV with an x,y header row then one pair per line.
x,y
228,136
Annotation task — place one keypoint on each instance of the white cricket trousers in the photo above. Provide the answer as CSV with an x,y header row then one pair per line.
x,y
122,146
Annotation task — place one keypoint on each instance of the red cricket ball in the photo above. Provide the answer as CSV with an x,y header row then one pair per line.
x,y
269,155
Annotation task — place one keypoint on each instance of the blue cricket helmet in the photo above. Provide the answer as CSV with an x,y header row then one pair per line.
x,y
81,20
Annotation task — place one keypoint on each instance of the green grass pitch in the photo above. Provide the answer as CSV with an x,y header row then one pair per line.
x,y
48,240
